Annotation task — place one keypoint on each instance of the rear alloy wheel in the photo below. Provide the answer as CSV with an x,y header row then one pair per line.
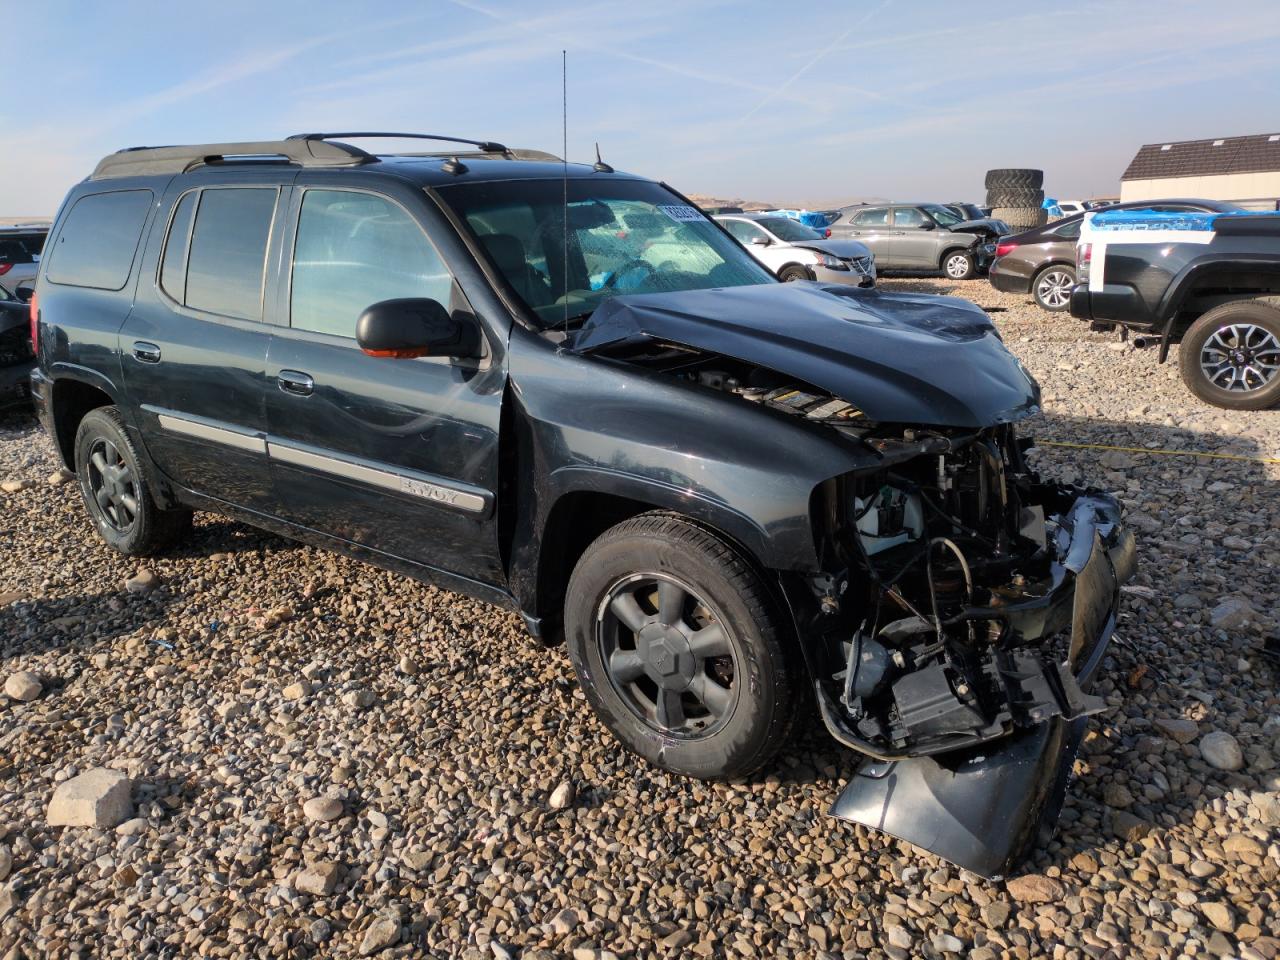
x,y
115,490
1052,288
678,648
1231,356
959,265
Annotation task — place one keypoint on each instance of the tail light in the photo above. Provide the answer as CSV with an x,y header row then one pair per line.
x,y
1002,249
826,234
1084,260
34,306
5,268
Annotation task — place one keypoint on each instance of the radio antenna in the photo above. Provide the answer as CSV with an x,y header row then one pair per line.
x,y
564,166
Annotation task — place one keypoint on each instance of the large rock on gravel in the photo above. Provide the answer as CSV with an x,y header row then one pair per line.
x,y
1231,613
380,934
322,808
562,796
16,486
1221,751
318,879
1035,888
6,863
1176,728
23,686
142,582
97,798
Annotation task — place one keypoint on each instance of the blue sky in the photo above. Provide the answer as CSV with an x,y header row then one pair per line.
x,y
790,103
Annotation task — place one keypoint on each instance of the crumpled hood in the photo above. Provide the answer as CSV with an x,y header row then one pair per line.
x,y
899,357
985,225
844,249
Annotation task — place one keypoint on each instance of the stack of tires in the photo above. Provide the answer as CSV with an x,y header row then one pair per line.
x,y
1015,196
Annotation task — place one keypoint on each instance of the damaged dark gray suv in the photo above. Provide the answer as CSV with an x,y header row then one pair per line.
x,y
563,389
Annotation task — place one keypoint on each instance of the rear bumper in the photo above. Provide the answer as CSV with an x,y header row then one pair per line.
x,y
42,400
14,383
985,806
1007,282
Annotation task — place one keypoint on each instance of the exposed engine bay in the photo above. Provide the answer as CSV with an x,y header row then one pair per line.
x,y
953,618
973,599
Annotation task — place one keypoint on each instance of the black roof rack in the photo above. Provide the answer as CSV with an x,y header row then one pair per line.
x,y
145,161
487,146
304,149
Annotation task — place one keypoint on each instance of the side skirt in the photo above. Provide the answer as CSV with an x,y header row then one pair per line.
x,y
421,572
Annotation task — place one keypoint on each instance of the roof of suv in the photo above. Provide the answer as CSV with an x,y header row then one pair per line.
x,y
483,160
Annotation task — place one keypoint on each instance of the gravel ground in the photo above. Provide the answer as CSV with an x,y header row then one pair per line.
x,y
471,806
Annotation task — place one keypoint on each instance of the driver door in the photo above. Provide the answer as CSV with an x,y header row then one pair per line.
x,y
396,455
914,238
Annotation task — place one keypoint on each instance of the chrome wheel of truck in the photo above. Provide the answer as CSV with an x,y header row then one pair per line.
x,y
1231,356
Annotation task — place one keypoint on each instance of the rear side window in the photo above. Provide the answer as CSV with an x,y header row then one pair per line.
x,y
96,244
227,254
878,217
173,268
21,248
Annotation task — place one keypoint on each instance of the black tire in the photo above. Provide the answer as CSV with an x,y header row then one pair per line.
x,y
1014,177
1021,218
958,265
793,272
115,490
1015,198
626,686
1221,356
1051,287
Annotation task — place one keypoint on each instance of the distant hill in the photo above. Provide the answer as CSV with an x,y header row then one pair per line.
x,y
704,201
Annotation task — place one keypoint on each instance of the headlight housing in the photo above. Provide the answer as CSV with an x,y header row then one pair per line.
x,y
830,262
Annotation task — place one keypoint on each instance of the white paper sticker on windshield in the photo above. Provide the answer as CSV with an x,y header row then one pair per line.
x,y
682,213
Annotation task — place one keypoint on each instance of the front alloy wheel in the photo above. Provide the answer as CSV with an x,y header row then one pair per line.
x,y
1053,288
679,648
959,265
668,653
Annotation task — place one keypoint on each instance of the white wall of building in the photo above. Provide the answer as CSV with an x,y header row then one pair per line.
x,y
1257,191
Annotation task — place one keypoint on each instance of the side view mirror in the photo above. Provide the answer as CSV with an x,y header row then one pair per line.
x,y
24,292
925,226
760,241
415,327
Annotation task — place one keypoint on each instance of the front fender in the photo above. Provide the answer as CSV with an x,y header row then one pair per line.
x,y
587,424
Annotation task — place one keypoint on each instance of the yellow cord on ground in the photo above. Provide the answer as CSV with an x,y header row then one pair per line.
x,y
1164,453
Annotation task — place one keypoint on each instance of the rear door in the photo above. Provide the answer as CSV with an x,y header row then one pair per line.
x,y
397,455
194,349
874,227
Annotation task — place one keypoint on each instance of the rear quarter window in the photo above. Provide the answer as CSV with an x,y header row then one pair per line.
x,y
97,242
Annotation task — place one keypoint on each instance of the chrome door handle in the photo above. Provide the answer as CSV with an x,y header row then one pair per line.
x,y
295,382
146,352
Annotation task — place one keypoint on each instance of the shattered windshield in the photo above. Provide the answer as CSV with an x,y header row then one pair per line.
x,y
624,236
